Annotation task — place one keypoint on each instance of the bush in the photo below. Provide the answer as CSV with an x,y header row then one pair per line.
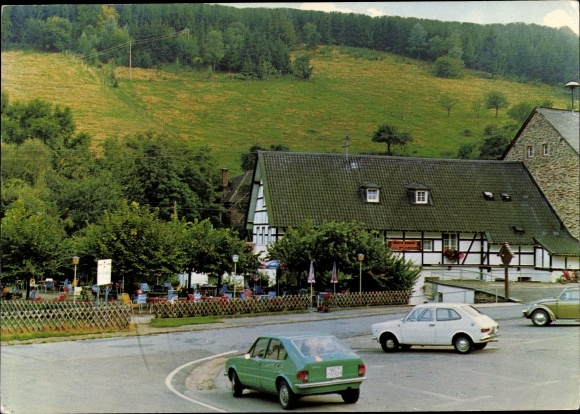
x,y
447,67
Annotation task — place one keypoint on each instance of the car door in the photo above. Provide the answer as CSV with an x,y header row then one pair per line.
x,y
251,374
568,306
274,362
419,327
448,321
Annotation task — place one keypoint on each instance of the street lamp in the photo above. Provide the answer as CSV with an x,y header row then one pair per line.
x,y
360,258
235,260
572,86
75,262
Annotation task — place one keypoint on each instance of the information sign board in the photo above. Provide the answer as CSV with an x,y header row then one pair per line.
x,y
104,272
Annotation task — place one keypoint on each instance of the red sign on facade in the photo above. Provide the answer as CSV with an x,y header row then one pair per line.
x,y
405,244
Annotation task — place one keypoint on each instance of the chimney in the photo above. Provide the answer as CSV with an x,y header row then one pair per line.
x,y
224,177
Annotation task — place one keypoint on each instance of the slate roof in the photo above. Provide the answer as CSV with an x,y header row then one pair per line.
x,y
567,123
327,187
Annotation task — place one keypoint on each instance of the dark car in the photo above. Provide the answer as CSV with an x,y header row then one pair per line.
x,y
295,365
545,311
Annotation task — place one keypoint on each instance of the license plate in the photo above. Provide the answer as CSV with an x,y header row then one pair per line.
x,y
334,372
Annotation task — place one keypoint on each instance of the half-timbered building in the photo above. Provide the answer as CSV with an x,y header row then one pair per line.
x,y
443,214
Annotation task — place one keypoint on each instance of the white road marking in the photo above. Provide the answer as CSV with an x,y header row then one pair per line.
x,y
176,370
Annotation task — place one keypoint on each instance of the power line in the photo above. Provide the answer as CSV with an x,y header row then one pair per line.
x,y
139,41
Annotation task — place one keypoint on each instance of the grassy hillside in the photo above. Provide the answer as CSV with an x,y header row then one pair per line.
x,y
346,96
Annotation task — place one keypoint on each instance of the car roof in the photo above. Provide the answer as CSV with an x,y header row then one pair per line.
x,y
296,335
441,304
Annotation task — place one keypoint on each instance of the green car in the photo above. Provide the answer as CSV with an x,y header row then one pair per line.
x,y
295,365
545,311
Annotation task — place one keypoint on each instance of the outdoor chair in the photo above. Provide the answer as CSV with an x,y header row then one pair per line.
x,y
140,301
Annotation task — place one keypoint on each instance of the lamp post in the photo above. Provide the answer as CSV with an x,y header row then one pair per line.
x,y
75,262
360,258
572,86
235,260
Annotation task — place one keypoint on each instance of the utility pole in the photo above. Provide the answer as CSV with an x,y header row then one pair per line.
x,y
129,61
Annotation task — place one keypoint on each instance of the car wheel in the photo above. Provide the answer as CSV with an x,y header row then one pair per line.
x,y
462,344
480,346
540,318
389,343
286,397
350,396
236,385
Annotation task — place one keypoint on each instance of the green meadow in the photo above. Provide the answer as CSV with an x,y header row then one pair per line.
x,y
346,96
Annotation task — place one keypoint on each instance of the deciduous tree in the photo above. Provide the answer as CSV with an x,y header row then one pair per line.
x,y
495,100
390,135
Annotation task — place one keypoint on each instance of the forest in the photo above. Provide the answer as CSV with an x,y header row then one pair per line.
x,y
255,42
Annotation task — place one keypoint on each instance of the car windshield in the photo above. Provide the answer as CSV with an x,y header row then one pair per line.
x,y
320,345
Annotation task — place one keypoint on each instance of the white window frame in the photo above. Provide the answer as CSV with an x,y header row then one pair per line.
x,y
427,245
545,149
421,197
373,195
530,151
450,241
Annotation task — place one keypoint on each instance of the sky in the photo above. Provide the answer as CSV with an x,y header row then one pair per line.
x,y
552,13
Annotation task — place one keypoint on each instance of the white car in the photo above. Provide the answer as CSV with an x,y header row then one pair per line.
x,y
438,324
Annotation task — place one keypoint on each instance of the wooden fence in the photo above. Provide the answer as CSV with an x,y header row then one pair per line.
x,y
181,309
18,316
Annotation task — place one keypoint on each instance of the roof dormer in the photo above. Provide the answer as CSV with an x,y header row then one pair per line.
x,y
371,192
418,193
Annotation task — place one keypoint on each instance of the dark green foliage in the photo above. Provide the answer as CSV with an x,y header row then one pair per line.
x,y
340,243
520,111
165,174
249,158
494,143
301,67
465,151
447,67
390,135
34,243
37,119
495,100
417,40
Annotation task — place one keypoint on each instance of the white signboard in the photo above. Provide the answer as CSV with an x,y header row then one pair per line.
x,y
104,272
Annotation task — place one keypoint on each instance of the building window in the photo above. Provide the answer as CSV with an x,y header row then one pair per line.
x,y
421,197
450,241
427,245
530,151
545,149
373,195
